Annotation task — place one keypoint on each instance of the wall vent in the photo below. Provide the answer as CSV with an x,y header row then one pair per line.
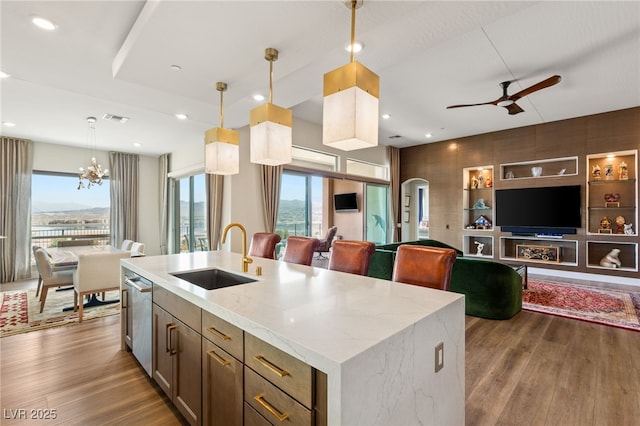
x,y
113,117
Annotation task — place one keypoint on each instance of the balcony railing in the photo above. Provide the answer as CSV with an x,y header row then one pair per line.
x,y
50,237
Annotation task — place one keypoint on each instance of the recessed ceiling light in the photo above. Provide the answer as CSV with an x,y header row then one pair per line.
x,y
43,23
180,116
176,67
137,144
386,116
8,124
357,46
258,97
428,135
4,74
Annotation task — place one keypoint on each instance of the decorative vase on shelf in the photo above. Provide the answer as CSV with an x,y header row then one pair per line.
x,y
536,171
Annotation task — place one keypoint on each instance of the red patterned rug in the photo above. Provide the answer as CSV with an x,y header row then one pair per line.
x,y
617,308
20,311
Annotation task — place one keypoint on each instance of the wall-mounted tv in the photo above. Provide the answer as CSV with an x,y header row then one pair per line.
x,y
555,208
346,202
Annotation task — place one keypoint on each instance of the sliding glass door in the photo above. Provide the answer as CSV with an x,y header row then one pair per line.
x,y
376,212
191,214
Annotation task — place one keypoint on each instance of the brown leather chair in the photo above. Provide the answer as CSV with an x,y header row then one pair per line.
x,y
263,244
424,266
300,250
351,256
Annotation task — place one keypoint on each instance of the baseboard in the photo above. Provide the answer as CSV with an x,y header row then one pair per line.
x,y
585,276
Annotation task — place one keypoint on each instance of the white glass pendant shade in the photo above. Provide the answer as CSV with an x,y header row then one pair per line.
x,y
270,135
222,151
350,108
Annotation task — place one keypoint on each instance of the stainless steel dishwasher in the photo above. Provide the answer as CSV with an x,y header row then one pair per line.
x,y
137,317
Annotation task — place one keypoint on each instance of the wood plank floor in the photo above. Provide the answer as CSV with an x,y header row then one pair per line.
x,y
534,369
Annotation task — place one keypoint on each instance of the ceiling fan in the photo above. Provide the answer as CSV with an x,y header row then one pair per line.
x,y
509,101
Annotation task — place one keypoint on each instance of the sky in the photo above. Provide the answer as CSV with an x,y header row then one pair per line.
x,y
63,190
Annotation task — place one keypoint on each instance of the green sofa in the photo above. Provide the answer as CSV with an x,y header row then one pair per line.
x,y
492,290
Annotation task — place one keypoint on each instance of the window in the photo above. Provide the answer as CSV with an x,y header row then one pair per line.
x,y
60,211
300,209
312,159
191,214
362,168
376,213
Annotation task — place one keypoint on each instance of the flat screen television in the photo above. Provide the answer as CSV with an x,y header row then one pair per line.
x,y
346,202
554,209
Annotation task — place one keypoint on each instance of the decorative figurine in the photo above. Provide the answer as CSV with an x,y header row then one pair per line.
x,y
479,205
474,182
561,172
536,171
488,182
611,260
623,172
619,224
612,200
479,248
605,225
509,175
608,171
480,181
628,229
482,222
595,172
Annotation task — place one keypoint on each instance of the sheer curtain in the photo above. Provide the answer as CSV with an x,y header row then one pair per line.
x,y
214,205
394,189
124,178
270,185
16,163
164,166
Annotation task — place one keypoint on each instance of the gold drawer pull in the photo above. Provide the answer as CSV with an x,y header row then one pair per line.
x,y
280,416
223,362
218,333
262,360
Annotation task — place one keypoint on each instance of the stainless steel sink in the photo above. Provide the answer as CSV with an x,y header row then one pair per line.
x,y
212,279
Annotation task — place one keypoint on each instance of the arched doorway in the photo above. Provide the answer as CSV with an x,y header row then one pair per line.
x,y
415,209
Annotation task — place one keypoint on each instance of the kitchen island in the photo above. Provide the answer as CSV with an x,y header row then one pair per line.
x,y
393,354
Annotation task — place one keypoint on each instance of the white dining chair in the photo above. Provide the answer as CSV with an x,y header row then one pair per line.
x,y
50,278
137,249
126,245
96,273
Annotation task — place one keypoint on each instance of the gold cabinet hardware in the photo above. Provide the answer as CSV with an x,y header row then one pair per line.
x,y
223,362
262,360
169,347
218,333
280,416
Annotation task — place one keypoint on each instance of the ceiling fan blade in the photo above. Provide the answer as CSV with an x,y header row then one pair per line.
x,y
468,105
542,85
514,109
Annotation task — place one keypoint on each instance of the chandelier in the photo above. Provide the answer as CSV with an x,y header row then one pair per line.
x,y
94,173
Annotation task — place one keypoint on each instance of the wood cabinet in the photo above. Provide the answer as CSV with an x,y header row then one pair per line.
x,y
177,352
222,372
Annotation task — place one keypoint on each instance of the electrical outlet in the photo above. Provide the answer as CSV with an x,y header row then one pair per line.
x,y
439,356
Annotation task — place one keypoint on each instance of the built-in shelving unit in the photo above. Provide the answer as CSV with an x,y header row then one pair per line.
x,y
553,167
550,251
477,211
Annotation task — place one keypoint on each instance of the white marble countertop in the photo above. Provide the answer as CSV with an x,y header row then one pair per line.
x,y
324,316
373,338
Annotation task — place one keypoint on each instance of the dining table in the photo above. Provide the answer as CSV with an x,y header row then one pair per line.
x,y
68,257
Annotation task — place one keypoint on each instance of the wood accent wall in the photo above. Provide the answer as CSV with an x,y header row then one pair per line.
x,y
441,163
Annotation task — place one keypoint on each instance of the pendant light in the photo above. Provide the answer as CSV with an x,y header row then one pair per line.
x,y
350,104
271,132
94,173
221,146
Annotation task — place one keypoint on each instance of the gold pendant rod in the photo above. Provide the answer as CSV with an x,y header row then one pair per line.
x,y
270,82
353,28
221,87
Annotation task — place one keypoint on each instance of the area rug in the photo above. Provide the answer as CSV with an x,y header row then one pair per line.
x,y
20,311
604,306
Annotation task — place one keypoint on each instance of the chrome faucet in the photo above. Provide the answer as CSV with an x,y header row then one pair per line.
x,y
245,259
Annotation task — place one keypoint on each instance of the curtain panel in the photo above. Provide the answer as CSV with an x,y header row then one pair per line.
x,y
16,164
215,184
164,167
394,190
124,179
270,185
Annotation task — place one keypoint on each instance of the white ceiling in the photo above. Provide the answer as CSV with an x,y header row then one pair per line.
x,y
115,57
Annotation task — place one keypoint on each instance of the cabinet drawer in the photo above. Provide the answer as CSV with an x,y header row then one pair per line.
x,y
286,372
272,403
185,311
253,418
226,335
